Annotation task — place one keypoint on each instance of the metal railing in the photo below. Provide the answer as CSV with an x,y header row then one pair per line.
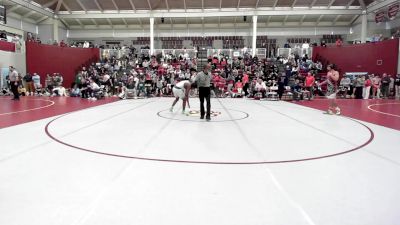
x,y
286,52
261,53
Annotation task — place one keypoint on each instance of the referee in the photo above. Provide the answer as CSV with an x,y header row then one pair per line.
x,y
14,81
203,80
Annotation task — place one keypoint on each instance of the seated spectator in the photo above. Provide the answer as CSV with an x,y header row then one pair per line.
x,y
62,44
260,87
297,91
239,88
75,91
339,42
92,89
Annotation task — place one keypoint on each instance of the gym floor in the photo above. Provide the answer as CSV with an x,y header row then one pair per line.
x,y
74,161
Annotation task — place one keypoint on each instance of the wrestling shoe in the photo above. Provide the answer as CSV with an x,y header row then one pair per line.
x,y
338,111
208,118
329,112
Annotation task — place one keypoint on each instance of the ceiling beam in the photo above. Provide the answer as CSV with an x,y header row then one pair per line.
x,y
94,21
354,19
115,5
140,22
374,7
126,23
31,6
349,4
211,13
132,5
41,19
268,19
275,4
184,5
98,5
319,19
302,19
13,8
202,5
28,14
294,3
312,3
58,6
220,5
336,19
81,5
362,4
285,19
238,4
65,24
80,23
48,4
258,1
331,3
148,2
109,22
67,7
166,3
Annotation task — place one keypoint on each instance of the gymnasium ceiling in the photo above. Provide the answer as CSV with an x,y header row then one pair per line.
x,y
92,14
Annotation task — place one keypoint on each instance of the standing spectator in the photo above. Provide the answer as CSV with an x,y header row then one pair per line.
x,y
245,80
385,85
376,86
203,80
367,87
345,83
36,82
358,90
28,84
309,84
392,91
397,86
14,79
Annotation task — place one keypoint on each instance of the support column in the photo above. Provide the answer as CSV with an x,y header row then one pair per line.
x,y
55,30
151,35
364,27
254,43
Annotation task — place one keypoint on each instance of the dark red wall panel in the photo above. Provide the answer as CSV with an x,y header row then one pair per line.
x,y
44,59
362,57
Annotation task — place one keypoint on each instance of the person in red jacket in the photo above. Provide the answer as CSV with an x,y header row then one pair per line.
x,y
309,84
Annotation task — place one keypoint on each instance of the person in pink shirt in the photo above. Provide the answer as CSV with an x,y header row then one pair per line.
x,y
309,84
239,87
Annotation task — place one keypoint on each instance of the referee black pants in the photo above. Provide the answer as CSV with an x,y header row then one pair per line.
x,y
14,89
204,93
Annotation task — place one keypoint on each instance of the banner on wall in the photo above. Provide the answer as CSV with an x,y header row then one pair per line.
x,y
393,10
380,16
